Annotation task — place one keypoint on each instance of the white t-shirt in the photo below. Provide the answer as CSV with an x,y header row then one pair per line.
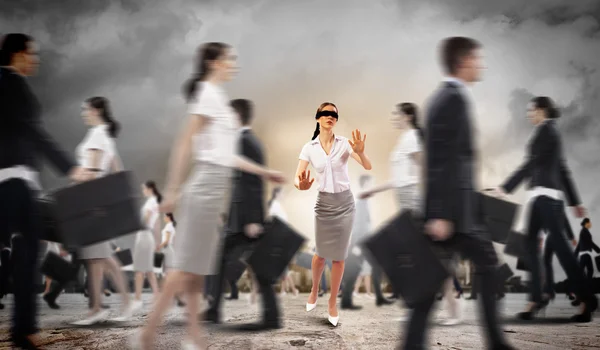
x,y
405,170
217,141
97,138
152,206
168,228
332,170
276,210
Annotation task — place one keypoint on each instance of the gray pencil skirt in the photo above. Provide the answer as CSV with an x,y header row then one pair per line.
x,y
334,217
409,198
198,243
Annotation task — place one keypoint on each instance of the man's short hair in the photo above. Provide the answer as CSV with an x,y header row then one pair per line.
x,y
454,49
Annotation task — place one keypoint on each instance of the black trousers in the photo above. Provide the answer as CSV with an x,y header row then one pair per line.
x,y
233,243
547,258
548,214
479,249
349,281
19,213
5,270
587,265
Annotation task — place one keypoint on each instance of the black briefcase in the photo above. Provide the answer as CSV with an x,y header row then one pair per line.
x,y
275,249
159,258
498,215
124,257
304,260
504,273
521,266
48,219
515,244
410,259
59,269
98,210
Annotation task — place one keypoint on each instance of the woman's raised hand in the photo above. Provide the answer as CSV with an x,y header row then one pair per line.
x,y
305,182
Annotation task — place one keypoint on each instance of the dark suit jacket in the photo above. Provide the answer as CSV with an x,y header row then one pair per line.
x,y
586,244
449,184
22,137
247,205
545,165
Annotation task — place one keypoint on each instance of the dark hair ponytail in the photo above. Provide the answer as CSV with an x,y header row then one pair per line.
x,y
412,111
152,186
547,105
274,193
317,131
206,53
103,105
12,44
172,218
318,127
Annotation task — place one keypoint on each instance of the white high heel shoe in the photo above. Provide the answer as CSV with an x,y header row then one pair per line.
x,y
310,307
333,320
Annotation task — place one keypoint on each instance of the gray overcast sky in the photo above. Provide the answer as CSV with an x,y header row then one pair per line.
x,y
363,55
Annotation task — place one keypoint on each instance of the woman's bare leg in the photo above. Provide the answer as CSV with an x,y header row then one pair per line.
x,y
317,267
337,272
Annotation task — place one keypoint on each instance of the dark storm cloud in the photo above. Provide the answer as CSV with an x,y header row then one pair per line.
x,y
364,55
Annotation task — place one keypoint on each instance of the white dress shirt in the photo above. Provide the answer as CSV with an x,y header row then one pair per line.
x,y
97,138
405,170
152,206
169,228
217,142
332,170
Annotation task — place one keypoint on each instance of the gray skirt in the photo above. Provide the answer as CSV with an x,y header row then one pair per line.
x,y
100,250
143,252
198,243
334,217
408,197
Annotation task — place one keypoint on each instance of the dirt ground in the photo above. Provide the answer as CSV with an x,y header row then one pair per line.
x,y
370,328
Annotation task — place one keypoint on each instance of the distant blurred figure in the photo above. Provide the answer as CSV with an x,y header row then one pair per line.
x,y
585,247
23,142
145,243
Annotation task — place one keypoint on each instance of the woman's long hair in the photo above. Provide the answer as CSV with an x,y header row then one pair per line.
x,y
172,218
412,111
206,53
318,127
152,186
103,105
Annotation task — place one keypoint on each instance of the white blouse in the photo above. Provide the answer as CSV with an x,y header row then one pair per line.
x,y
276,210
217,141
168,228
152,206
405,170
97,138
332,170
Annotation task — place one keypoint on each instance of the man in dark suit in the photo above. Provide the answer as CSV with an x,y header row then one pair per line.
x,y
23,141
245,224
450,189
